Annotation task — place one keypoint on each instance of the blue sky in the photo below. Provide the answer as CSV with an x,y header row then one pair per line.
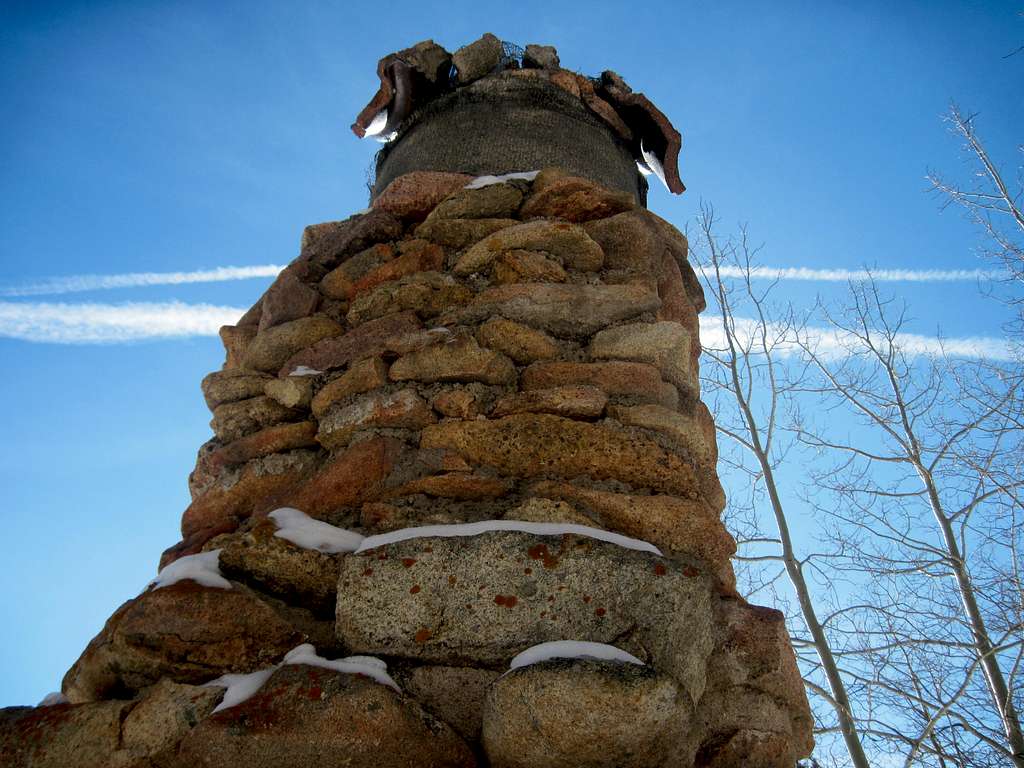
x,y
173,137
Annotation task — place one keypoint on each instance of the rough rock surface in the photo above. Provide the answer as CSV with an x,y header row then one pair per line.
x,y
664,344
569,713
414,195
513,590
232,421
527,445
459,360
631,380
564,310
477,59
575,199
328,244
567,243
140,733
541,56
279,567
318,718
271,348
186,633
519,342
495,201
231,385
403,409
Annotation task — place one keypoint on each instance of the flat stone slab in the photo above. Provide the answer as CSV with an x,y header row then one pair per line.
x,y
482,599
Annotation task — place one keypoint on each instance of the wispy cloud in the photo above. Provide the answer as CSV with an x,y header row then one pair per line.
x,y
855,275
832,343
77,283
58,323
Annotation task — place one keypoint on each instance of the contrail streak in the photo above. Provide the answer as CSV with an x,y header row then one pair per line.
x,y
833,343
111,323
855,275
77,283
58,323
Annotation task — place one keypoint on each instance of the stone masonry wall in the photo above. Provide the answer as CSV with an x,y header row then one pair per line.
x,y
523,351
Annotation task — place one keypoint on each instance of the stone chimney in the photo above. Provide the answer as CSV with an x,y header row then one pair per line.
x,y
460,507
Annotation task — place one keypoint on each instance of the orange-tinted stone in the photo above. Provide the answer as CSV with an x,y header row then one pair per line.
x,y
413,195
348,479
638,380
425,258
576,199
397,410
276,439
462,359
184,632
257,483
360,377
368,340
528,445
236,340
677,526
572,401
463,486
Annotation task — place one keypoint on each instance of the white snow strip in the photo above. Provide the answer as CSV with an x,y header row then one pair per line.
x,y
377,124
111,323
486,181
834,344
653,163
242,687
484,526
304,371
856,275
52,699
203,568
77,283
368,666
299,528
571,649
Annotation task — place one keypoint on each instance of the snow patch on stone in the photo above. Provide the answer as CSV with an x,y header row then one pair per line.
x,y
486,181
302,370
653,164
377,125
240,688
522,526
203,568
299,528
571,649
367,666
52,699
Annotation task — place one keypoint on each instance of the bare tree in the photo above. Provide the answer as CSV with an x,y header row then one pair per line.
x,y
926,495
748,377
994,203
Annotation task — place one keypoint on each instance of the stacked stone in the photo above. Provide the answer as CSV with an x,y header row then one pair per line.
x,y
523,352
